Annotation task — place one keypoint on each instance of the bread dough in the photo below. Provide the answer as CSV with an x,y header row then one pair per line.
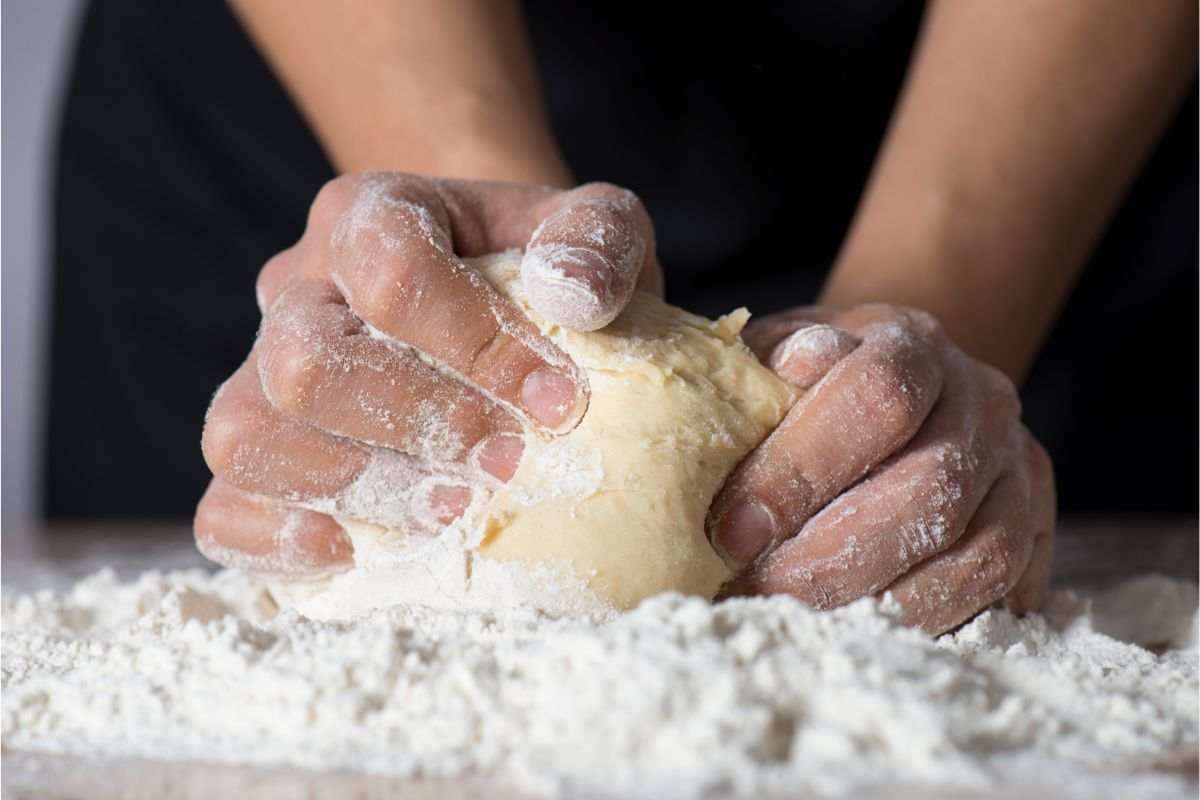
x,y
611,512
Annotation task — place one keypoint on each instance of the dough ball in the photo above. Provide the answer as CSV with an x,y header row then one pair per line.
x,y
611,512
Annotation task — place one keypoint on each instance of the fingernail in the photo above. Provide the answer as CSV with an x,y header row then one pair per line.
x,y
552,399
500,455
805,356
580,265
573,286
449,502
744,532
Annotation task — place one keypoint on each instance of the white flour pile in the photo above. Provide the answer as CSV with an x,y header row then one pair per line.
x,y
675,699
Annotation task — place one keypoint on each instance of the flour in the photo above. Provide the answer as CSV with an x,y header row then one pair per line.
x,y
678,698
443,572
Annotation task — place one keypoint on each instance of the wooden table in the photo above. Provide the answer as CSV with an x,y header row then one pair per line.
x,y
1090,552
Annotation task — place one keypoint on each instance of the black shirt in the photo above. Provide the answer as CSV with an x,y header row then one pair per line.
x,y
182,166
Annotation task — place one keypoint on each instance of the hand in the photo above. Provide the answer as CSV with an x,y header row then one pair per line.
x,y
903,468
391,383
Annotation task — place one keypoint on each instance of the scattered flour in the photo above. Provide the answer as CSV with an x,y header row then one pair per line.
x,y
678,698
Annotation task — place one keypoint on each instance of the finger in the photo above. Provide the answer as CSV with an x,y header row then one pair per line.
x,y
806,355
585,249
865,409
308,259
256,448
914,505
239,530
320,365
1030,592
479,217
599,229
978,570
799,345
276,275
764,333
250,444
393,261
583,261
863,318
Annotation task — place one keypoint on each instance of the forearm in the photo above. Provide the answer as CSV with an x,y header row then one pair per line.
x,y
1021,126
428,86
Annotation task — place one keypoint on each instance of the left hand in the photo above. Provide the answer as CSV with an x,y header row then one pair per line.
x,y
903,468
389,382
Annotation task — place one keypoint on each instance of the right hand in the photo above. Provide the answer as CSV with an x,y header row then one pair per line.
x,y
391,383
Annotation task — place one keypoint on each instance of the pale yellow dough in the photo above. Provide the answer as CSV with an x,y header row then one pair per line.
x,y
616,507
676,402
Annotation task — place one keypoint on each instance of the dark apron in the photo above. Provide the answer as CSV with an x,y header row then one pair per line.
x,y
182,166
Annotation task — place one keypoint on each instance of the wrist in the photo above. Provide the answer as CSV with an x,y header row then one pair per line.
x,y
462,136
493,161
938,251
489,138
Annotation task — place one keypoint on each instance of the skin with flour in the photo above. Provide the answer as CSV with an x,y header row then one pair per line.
x,y
990,190
612,512
391,383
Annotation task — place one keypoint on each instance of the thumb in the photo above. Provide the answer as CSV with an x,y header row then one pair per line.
x,y
594,246
801,345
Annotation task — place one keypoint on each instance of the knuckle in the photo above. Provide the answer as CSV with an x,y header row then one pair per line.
x,y
275,274
942,510
487,353
382,293
203,526
264,284
204,533
1015,546
208,540
876,314
880,312
210,528
623,198
1000,553
224,431
616,202
951,480
1049,535
291,374
581,219
915,324
319,539
1042,480
952,518
922,322
897,416
817,344
1003,409
376,297
381,212
333,199
903,379
1039,459
1002,396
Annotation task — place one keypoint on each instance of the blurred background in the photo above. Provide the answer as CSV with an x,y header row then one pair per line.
x,y
109,360
37,38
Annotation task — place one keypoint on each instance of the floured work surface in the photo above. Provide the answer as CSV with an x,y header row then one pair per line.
x,y
675,699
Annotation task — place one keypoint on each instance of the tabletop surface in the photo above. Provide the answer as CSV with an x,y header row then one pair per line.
x,y
1089,552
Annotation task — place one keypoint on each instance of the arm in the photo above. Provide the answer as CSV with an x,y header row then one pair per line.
x,y
1021,126
905,467
443,88
319,410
